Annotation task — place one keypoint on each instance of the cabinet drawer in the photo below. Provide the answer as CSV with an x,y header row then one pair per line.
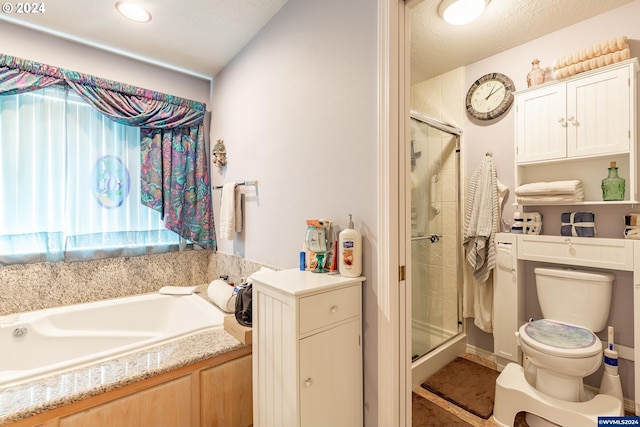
x,y
616,254
326,308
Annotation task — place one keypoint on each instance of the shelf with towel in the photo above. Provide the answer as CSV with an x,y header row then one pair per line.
x,y
559,138
588,170
243,183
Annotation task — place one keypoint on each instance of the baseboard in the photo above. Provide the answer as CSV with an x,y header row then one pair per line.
x,y
485,354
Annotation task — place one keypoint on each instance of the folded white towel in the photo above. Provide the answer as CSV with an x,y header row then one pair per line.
x,y
228,212
560,198
549,188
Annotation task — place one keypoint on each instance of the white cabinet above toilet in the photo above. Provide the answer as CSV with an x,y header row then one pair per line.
x,y
615,254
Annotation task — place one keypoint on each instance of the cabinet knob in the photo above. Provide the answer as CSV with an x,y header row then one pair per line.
x,y
562,122
308,381
333,308
573,121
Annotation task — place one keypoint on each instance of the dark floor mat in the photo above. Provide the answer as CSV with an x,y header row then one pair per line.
x,y
428,414
466,384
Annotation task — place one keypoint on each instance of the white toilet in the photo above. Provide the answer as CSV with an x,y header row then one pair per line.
x,y
562,348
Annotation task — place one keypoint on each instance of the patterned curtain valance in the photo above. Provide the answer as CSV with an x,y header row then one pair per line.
x,y
175,173
53,75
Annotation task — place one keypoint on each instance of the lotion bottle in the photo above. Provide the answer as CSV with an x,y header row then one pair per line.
x,y
350,251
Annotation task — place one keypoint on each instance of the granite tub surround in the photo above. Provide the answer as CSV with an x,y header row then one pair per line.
x,y
27,287
35,397
237,268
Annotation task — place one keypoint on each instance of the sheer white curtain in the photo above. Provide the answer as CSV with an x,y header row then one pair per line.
x,y
70,183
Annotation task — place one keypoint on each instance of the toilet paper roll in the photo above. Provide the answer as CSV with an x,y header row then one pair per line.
x,y
222,295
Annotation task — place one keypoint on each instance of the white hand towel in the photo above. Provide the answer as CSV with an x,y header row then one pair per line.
x,y
227,212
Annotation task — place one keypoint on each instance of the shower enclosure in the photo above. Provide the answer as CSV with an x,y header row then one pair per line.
x,y
436,273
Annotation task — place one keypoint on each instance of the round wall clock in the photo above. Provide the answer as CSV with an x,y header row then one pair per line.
x,y
490,96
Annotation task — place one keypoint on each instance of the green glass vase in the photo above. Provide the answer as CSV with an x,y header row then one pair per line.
x,y
613,185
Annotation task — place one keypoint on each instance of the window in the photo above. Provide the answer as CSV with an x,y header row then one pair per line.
x,y
70,183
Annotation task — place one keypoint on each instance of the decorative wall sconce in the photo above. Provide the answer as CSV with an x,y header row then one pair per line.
x,y
219,154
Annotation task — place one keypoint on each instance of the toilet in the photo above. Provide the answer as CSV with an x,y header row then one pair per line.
x,y
562,348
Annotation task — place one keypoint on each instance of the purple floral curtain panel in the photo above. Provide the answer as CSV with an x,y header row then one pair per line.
x,y
174,167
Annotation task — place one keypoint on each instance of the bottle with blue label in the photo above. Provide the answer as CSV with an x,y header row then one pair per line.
x,y
350,251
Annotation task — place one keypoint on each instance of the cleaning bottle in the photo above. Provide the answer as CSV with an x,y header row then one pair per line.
x,y
350,251
610,383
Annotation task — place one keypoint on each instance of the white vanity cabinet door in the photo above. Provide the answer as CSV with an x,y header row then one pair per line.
x,y
541,124
598,114
307,350
330,377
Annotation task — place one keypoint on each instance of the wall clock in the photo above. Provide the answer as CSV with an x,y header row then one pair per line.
x,y
490,96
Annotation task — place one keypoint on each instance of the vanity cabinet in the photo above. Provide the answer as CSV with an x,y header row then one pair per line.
x,y
307,349
573,129
214,392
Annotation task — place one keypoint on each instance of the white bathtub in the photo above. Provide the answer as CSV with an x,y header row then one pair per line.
x,y
42,342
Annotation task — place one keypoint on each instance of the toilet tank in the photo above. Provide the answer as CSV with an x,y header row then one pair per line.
x,y
578,297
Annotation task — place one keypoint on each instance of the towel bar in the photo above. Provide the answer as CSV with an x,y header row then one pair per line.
x,y
246,183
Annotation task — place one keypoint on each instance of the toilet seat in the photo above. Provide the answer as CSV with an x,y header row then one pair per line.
x,y
560,339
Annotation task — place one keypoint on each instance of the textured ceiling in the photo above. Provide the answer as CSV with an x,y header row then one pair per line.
x,y
199,36
437,47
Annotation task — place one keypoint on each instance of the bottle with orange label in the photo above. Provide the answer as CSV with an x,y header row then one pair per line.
x,y
350,251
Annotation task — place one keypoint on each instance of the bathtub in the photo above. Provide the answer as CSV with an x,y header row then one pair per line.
x,y
39,343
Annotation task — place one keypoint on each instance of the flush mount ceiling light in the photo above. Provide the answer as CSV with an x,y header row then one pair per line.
x,y
133,11
460,12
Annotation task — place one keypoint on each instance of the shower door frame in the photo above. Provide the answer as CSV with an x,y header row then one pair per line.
x,y
457,134
436,358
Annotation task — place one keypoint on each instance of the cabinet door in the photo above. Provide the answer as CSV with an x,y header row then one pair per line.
x,y
167,405
331,377
541,124
598,114
225,394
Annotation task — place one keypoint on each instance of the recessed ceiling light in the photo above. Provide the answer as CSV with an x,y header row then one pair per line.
x,y
460,12
133,11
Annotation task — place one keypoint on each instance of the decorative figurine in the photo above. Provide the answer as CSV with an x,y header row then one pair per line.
x,y
536,75
219,154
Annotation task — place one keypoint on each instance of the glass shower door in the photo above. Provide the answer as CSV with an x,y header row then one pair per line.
x,y
435,237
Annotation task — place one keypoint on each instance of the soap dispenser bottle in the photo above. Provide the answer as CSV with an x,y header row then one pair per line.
x,y
350,251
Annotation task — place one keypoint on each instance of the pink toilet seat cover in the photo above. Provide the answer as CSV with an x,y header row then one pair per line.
x,y
560,335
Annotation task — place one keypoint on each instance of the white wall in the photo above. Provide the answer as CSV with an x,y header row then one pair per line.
x,y
498,136
36,46
297,111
